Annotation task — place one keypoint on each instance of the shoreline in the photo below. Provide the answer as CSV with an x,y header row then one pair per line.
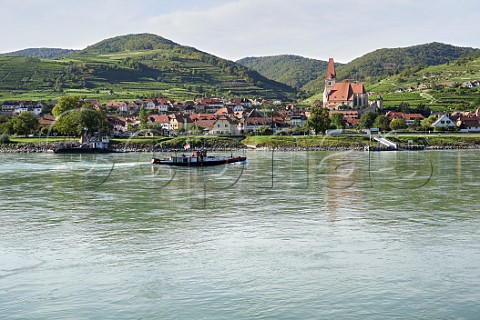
x,y
141,148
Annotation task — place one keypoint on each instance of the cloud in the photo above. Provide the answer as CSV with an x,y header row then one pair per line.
x,y
233,29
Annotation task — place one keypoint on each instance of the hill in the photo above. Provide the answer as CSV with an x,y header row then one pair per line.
x,y
131,42
134,66
43,53
446,87
386,62
292,70
375,66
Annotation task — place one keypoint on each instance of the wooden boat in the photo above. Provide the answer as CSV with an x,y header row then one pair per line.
x,y
198,158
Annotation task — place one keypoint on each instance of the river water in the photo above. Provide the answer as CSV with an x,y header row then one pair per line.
x,y
290,235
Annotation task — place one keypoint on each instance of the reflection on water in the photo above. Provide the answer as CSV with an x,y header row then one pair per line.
x,y
330,235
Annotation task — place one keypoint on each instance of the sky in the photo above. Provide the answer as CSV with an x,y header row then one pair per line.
x,y
234,29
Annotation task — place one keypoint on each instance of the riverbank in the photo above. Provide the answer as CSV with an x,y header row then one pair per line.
x,y
284,143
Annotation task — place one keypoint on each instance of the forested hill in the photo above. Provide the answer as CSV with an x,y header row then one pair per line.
x,y
132,42
43,53
136,66
292,70
386,62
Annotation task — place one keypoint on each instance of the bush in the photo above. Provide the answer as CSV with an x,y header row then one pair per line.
x,y
4,138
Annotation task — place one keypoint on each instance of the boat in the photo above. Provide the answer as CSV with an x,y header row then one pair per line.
x,y
198,158
87,145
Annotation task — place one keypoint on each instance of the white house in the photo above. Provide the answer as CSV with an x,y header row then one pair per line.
x,y
36,109
443,122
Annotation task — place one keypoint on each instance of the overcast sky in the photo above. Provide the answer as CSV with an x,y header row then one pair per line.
x,y
233,29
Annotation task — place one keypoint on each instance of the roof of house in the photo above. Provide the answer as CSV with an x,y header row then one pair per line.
x,y
223,110
203,116
159,118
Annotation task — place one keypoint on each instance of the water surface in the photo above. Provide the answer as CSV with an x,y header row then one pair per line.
x,y
317,235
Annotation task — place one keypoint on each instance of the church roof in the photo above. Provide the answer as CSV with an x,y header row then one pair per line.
x,y
344,91
330,70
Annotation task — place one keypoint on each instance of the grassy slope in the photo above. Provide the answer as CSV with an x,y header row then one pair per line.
x,y
171,70
355,141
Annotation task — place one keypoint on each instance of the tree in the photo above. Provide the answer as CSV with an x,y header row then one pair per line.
x,y
318,120
416,123
427,123
382,122
367,120
397,124
65,104
80,121
4,138
265,131
25,123
337,121
143,118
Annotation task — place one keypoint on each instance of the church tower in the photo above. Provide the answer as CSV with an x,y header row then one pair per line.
x,y
330,79
331,76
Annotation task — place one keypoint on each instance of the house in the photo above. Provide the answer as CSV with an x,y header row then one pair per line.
x,y
468,124
253,121
296,120
205,121
224,126
411,117
120,106
161,121
408,117
344,94
180,122
158,104
28,106
443,122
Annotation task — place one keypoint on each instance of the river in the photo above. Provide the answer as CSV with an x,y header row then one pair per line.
x,y
290,235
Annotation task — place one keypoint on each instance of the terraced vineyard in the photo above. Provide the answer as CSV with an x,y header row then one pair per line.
x,y
101,70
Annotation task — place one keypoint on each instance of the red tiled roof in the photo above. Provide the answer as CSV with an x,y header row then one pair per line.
x,y
159,118
413,116
344,91
330,75
203,116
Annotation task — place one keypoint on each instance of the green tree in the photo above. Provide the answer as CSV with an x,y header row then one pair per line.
x,y
4,138
337,121
397,124
382,122
416,123
25,123
367,120
318,120
143,118
427,123
265,131
82,121
65,104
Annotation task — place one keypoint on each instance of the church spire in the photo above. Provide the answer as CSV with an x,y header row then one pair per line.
x,y
330,70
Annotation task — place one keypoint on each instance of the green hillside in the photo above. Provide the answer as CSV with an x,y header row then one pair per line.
x,y
292,70
134,66
386,62
439,87
43,53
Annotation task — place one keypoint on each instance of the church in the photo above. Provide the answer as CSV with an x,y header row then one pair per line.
x,y
344,94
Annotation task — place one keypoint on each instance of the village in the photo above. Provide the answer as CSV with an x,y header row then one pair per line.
x,y
346,101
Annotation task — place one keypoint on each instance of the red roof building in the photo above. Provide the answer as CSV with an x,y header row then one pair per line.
x,y
344,94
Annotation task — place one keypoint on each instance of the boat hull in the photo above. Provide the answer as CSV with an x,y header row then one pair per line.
x,y
207,163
